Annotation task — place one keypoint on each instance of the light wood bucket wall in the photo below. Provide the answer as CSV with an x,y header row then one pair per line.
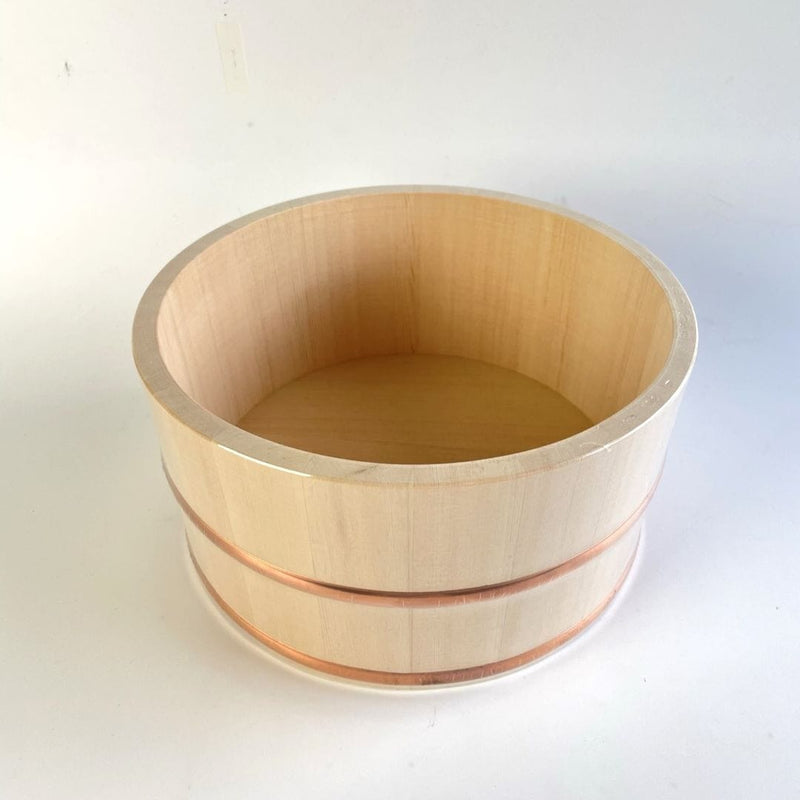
x,y
413,430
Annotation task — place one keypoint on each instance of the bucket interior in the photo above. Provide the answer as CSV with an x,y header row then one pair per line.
x,y
415,327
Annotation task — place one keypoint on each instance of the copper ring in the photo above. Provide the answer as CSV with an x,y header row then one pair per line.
x,y
430,599
412,678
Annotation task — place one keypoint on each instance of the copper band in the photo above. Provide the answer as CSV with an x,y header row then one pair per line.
x,y
411,678
406,599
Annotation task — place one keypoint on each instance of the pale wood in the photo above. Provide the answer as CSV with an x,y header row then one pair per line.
x,y
414,409
413,639
252,321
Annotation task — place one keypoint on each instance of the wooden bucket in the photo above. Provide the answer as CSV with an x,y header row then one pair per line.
x,y
413,430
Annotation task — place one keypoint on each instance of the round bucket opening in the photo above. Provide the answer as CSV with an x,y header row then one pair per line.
x,y
414,327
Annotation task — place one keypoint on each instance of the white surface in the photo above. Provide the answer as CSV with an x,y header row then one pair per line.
x,y
677,123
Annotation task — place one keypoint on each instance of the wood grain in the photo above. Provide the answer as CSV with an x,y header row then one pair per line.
x,y
413,389
414,409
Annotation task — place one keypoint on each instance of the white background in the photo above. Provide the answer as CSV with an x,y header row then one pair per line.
x,y
676,122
